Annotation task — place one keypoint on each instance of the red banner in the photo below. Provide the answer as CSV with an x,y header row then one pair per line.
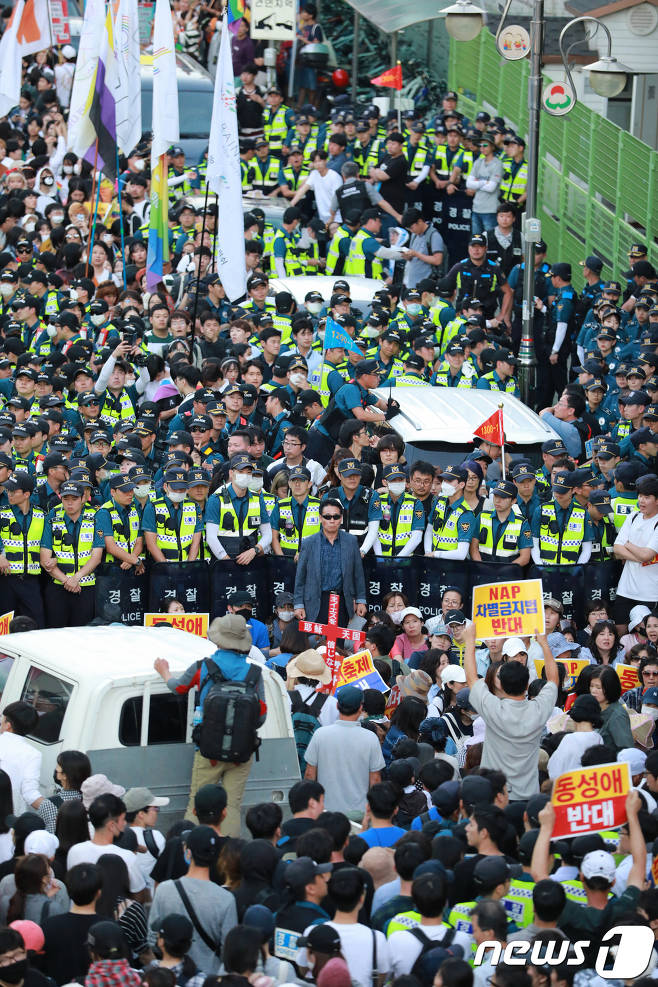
x,y
491,430
59,18
590,800
392,78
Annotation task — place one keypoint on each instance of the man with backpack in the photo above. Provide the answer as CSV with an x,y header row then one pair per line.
x,y
407,948
231,709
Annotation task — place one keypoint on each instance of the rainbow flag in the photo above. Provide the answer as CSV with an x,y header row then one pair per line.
x,y
158,245
235,10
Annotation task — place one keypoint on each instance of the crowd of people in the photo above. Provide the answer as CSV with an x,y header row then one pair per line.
x,y
180,426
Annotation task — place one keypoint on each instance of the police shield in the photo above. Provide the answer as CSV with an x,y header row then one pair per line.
x,y
434,577
601,580
228,578
188,582
565,583
121,595
390,575
281,575
495,572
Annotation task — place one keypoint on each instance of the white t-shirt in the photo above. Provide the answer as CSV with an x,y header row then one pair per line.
x,y
639,582
324,187
88,853
146,860
570,751
357,948
405,948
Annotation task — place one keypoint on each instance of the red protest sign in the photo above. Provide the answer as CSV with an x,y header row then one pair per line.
x,y
590,800
332,632
627,676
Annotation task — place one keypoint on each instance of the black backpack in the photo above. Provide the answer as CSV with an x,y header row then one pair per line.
x,y
231,716
427,946
305,721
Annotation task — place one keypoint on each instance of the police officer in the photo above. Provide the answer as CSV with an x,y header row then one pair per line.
x,y
557,343
413,375
71,550
119,521
504,534
403,517
171,527
604,532
455,370
561,530
541,293
513,187
277,120
552,452
452,524
477,277
237,522
595,390
624,499
525,481
21,530
296,517
265,168
366,252
362,509
354,195
501,378
339,245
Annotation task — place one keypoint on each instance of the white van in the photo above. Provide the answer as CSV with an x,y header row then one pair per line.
x,y
96,691
437,423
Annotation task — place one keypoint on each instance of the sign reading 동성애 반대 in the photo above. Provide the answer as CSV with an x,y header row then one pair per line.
x,y
508,609
590,800
193,623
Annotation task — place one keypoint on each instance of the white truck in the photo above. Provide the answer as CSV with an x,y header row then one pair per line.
x,y
96,691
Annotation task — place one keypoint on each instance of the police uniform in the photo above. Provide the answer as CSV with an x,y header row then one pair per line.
x,y
238,518
450,523
361,262
561,532
338,250
72,544
501,541
20,541
295,522
123,524
363,507
174,525
400,518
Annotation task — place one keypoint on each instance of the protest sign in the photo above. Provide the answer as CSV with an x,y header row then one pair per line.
x,y
574,667
508,609
193,623
627,676
360,670
590,800
5,620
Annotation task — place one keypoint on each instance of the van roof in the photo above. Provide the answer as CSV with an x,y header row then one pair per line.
x,y
448,414
115,651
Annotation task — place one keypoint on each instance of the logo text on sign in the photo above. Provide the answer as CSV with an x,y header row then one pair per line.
x,y
590,799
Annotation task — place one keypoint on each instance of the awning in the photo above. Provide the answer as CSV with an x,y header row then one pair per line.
x,y
391,15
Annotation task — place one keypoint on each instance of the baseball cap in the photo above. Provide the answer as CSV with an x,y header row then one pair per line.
x,y
141,798
601,500
348,467
176,930
71,489
454,473
478,240
177,479
475,789
598,863
514,646
594,263
454,617
204,844
491,872
349,699
210,800
303,870
320,938
505,488
20,481
106,940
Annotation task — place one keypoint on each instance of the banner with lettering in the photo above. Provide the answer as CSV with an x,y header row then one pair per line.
x,y
358,669
627,676
574,667
590,800
193,623
514,609
7,618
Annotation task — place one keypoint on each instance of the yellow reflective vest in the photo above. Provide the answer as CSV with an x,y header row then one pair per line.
x,y
174,541
290,538
22,550
71,558
124,539
561,547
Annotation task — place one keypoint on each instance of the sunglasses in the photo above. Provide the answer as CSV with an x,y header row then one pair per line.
x,y
331,517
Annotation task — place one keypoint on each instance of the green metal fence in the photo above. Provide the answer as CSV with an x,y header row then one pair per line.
x,y
598,185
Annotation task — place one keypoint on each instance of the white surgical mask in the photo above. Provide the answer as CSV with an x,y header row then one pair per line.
x,y
6,289
143,489
67,169
297,379
139,164
651,711
396,616
255,484
97,320
448,489
48,180
176,496
56,218
52,331
414,309
241,480
73,294
314,307
285,615
29,223
397,489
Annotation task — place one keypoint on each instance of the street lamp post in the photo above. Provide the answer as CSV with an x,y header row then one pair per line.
x,y
607,77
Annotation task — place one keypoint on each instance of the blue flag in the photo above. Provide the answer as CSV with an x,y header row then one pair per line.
x,y
335,335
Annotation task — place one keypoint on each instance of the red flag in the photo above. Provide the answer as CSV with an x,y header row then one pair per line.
x,y
491,430
391,78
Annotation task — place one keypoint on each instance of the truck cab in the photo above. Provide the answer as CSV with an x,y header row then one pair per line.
x,y
96,691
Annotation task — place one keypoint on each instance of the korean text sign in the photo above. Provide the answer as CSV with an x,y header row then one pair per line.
x,y
508,609
590,800
5,621
193,623
573,667
359,670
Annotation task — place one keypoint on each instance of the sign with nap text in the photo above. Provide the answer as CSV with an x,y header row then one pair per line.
x,y
193,623
590,800
359,669
508,609
573,666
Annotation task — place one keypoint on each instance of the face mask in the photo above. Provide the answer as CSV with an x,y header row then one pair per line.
x,y
51,331
145,298
414,309
285,615
48,180
107,238
370,332
255,484
396,617
651,711
297,379
176,496
29,223
56,218
13,973
97,320
397,489
321,333
7,290
139,164
448,489
241,480
143,489
314,307
67,169
73,294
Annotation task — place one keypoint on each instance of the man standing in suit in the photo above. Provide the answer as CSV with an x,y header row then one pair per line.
x,y
330,562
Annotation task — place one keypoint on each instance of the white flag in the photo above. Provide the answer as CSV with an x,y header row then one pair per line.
x,y
224,177
81,133
34,33
129,89
10,64
165,89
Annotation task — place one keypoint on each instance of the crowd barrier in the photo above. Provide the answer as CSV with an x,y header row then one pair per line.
x,y
208,587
